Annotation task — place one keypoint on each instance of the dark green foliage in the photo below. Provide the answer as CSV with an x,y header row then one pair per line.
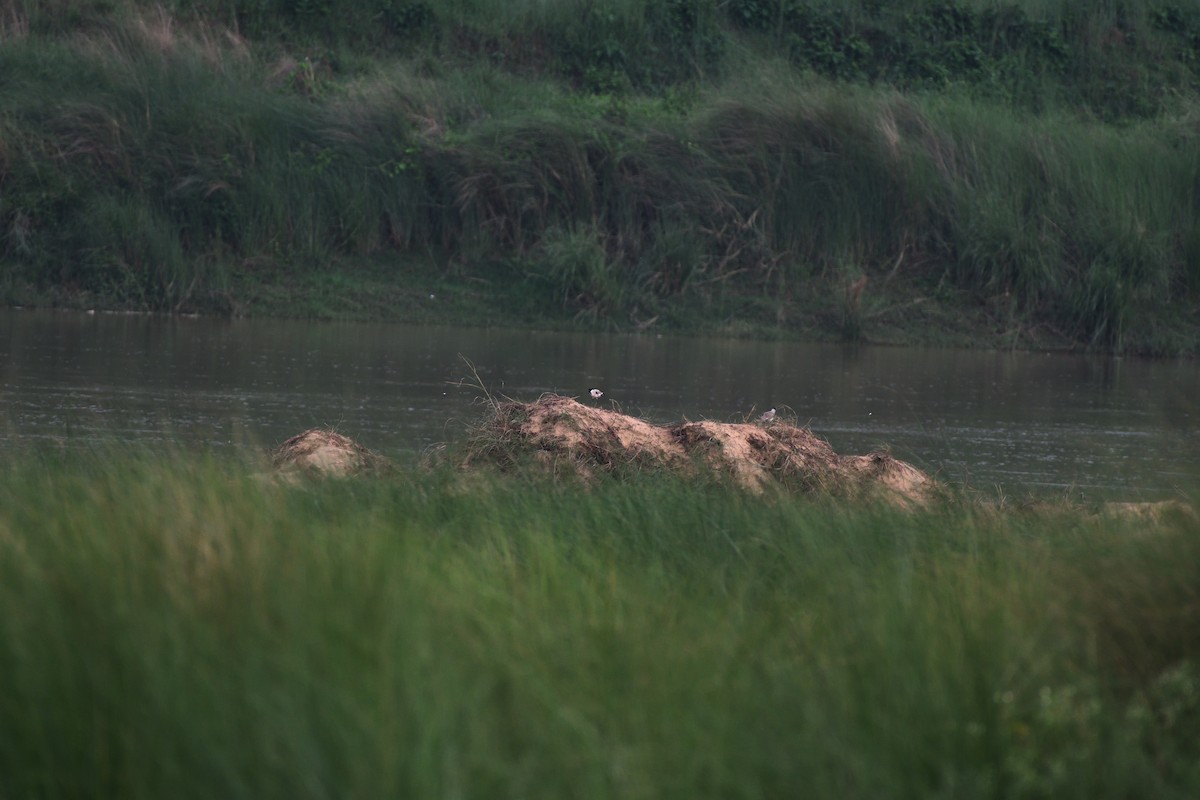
x,y
407,18
53,17
1116,64
607,48
596,149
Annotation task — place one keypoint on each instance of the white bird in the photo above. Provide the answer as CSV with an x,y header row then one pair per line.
x,y
767,416
596,394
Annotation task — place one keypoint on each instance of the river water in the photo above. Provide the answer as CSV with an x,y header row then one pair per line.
x,y
1012,423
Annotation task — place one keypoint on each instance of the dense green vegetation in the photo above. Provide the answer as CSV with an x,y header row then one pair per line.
x,y
173,627
1022,171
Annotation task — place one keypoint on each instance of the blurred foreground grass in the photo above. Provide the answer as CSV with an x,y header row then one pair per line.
x,y
176,627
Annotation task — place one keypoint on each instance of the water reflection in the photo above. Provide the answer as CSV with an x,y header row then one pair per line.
x,y
1023,422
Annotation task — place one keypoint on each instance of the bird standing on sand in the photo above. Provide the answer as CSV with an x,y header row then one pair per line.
x,y
767,416
596,394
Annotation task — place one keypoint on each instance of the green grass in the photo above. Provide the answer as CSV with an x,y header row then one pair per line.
x,y
173,626
674,161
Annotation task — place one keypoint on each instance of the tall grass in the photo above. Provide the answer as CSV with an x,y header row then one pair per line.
x,y
157,160
175,627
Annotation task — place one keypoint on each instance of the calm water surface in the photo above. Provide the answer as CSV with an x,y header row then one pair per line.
x,y
1020,423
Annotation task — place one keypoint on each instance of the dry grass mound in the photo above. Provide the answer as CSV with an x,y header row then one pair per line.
x,y
568,437
326,453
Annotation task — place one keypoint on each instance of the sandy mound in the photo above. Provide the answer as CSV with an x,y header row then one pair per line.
x,y
326,453
569,437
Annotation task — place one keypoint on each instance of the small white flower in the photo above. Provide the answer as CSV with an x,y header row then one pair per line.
x,y
596,394
767,416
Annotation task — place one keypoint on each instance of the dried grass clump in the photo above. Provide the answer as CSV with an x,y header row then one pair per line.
x,y
326,453
564,437
563,434
568,437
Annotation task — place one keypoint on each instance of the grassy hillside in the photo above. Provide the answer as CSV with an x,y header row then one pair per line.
x,y
173,627
1021,172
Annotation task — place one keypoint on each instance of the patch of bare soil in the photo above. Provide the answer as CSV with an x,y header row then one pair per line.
x,y
326,453
569,437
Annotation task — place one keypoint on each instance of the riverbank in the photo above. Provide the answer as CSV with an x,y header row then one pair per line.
x,y
412,292
173,626
1021,177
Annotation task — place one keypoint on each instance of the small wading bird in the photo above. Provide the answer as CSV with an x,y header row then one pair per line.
x,y
596,394
767,416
